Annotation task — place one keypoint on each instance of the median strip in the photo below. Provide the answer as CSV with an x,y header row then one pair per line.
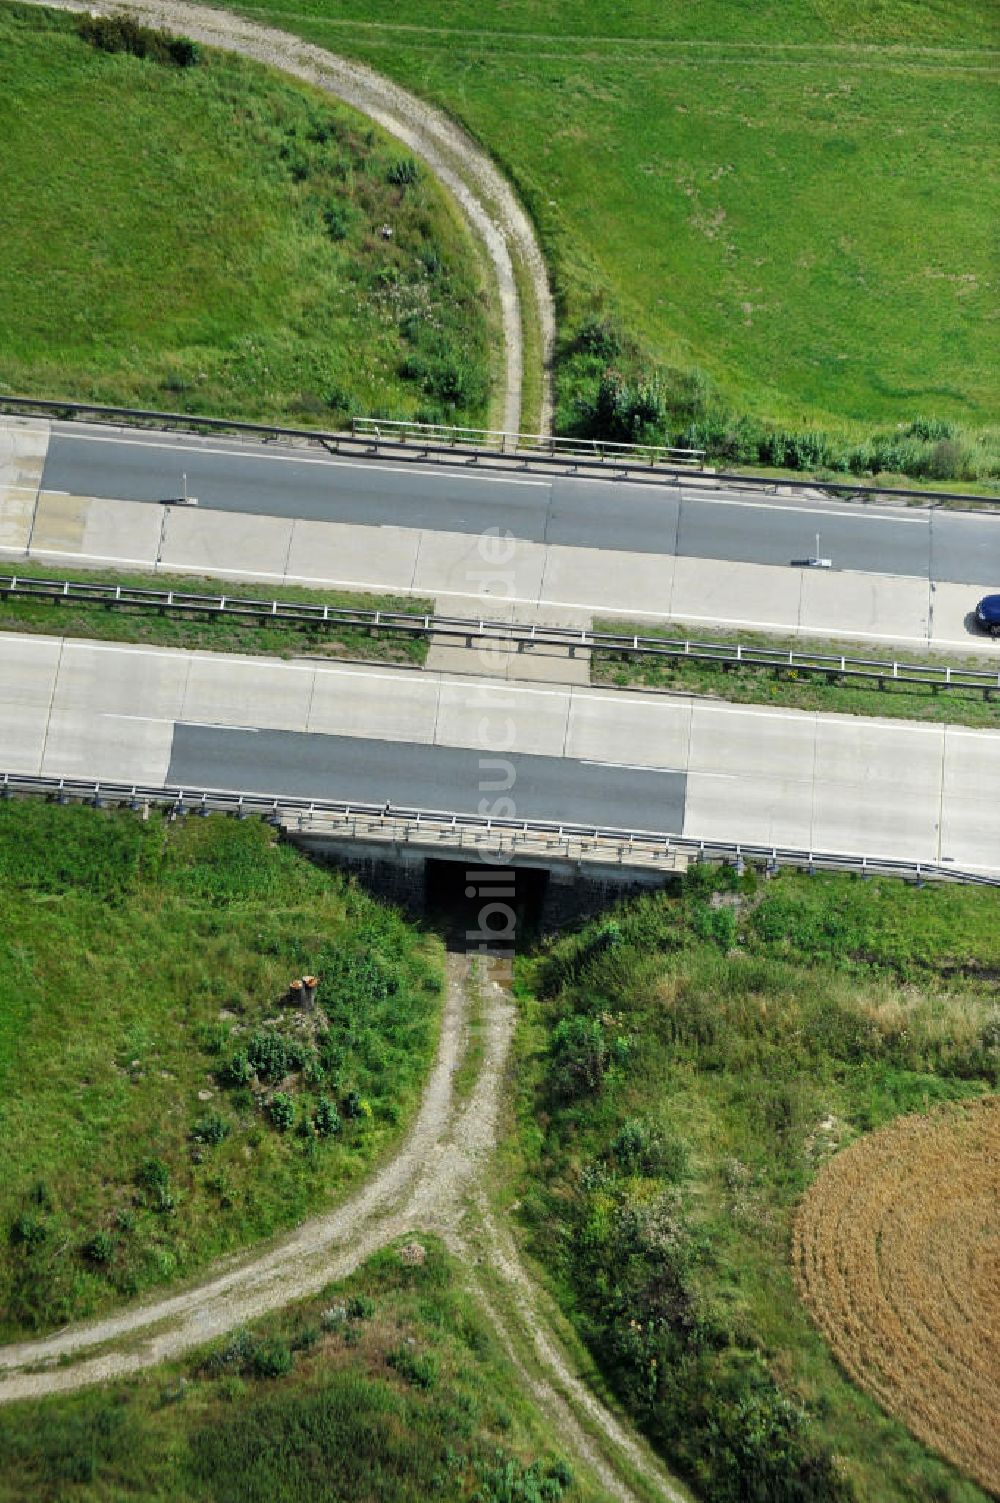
x,y
828,677
209,615
752,669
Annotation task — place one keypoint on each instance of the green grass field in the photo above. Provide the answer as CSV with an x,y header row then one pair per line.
x,y
209,238
792,200
159,1105
389,1388
686,1066
214,633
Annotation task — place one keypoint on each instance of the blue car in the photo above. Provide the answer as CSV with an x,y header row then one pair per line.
x,y
988,614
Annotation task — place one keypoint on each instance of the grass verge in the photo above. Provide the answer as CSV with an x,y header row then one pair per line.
x,y
786,687
388,1388
217,238
161,1101
215,633
686,1068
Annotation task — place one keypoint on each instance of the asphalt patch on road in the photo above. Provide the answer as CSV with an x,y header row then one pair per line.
x,y
457,779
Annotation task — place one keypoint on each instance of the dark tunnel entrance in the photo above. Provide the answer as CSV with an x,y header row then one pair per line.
x,y
477,904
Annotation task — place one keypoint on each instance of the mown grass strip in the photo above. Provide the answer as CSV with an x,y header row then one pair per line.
x,y
112,623
788,687
775,230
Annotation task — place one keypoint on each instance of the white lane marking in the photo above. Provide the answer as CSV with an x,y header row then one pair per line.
x,y
219,725
765,712
100,558
623,766
145,719
806,511
211,725
402,468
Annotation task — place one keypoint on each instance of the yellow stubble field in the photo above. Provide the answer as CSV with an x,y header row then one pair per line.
x,y
896,1250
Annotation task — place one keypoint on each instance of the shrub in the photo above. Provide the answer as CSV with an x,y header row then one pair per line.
x,y
154,1179
183,52
404,173
945,461
40,1195
506,1480
930,429
100,1248
579,1056
306,1339
271,1359
268,1055
600,337
281,1110
642,1149
122,34
334,1317
326,1118
238,1072
211,1129
28,1232
417,1368
154,1175
238,1352
360,1307
336,221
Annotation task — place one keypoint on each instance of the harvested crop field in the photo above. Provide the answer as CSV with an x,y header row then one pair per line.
x,y
897,1256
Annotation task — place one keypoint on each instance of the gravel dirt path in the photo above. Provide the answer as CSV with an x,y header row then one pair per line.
x,y
433,1184
486,199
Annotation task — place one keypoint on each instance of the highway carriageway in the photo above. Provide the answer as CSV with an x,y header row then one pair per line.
x,y
598,556
697,769
472,631
560,510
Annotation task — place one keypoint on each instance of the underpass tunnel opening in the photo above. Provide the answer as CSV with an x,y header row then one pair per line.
x,y
485,906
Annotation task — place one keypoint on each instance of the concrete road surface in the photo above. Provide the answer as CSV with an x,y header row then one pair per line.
x,y
701,768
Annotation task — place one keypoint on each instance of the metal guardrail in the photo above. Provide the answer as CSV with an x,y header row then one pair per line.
x,y
524,444
367,446
833,666
435,828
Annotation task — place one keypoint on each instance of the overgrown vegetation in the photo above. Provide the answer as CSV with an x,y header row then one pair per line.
x,y
213,633
123,34
688,1067
620,394
162,1100
766,225
387,1389
746,684
226,242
